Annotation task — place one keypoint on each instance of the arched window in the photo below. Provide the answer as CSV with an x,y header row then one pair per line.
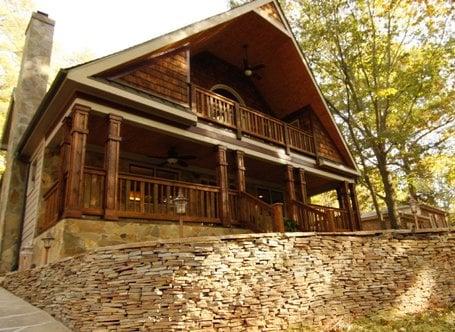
x,y
227,92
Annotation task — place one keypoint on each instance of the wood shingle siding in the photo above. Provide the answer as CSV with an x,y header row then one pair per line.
x,y
166,76
32,200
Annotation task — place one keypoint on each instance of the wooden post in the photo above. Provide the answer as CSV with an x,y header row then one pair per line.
x,y
286,139
355,207
330,221
238,120
315,140
344,191
111,165
240,163
65,148
278,222
302,183
290,193
224,185
75,181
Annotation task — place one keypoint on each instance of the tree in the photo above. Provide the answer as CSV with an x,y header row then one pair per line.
x,y
14,17
384,69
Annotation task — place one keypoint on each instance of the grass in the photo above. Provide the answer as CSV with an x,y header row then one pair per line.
x,y
442,320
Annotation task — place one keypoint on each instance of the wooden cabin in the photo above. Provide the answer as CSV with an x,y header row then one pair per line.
x,y
225,112
424,217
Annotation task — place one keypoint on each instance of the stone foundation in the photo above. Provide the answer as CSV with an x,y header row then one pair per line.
x,y
76,236
245,282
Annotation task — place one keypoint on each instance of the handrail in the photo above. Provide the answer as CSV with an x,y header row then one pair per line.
x,y
224,111
50,190
184,184
256,200
311,207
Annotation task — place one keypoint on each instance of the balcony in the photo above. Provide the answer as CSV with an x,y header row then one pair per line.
x,y
246,121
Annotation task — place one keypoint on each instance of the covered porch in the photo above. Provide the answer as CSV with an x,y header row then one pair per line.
x,y
107,168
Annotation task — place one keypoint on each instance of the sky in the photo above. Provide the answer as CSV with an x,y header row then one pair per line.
x,y
106,26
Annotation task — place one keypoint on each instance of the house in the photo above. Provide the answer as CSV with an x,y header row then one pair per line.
x,y
225,113
424,216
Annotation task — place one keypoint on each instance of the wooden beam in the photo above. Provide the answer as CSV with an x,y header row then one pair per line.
x,y
290,193
278,222
65,149
222,173
111,166
302,185
240,168
74,188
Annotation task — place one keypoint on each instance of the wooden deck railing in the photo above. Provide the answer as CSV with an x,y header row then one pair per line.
x,y
93,191
254,213
215,107
340,217
316,218
51,207
234,207
151,198
244,120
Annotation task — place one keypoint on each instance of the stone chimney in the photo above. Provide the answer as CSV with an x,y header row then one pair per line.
x,y
34,72
30,90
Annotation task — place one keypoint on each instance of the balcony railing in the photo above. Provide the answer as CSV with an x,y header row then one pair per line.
x,y
244,120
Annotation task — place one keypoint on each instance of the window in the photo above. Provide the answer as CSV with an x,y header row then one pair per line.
x,y
228,92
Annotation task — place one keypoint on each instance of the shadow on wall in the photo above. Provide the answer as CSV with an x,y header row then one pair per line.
x,y
252,281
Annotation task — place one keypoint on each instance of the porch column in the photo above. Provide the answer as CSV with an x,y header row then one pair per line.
x,y
223,184
290,193
111,165
344,195
65,148
240,168
355,207
79,132
302,184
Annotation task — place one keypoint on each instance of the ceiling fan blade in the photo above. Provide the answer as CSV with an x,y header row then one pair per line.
x,y
187,157
164,163
258,67
157,157
182,163
257,76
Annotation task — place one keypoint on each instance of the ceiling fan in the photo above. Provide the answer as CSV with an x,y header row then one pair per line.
x,y
248,69
173,158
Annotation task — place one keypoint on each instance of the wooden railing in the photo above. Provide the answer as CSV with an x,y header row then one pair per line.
x,y
244,120
300,140
151,198
316,218
262,126
340,217
310,219
93,191
254,213
234,207
214,107
51,207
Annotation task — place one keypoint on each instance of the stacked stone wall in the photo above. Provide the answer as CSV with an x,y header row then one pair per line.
x,y
244,282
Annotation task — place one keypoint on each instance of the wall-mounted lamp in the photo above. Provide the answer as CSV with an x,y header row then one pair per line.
x,y
47,243
180,203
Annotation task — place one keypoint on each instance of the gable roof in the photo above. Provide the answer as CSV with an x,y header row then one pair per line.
x,y
268,10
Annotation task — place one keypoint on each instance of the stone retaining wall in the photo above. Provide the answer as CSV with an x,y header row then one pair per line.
x,y
244,282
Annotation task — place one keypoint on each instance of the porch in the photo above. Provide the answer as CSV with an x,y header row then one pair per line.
x,y
106,168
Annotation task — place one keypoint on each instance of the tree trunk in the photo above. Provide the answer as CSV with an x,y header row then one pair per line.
x,y
388,189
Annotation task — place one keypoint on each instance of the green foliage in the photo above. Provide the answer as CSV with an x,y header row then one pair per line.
x,y
440,320
386,70
14,17
291,225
